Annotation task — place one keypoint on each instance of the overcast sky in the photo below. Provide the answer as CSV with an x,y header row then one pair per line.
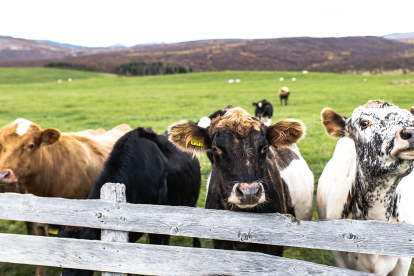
x,y
102,23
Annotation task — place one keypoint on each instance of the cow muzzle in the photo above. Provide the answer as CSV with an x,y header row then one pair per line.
x,y
7,176
246,195
404,144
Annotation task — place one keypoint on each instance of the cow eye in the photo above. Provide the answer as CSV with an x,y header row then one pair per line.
x,y
264,149
30,146
365,124
216,150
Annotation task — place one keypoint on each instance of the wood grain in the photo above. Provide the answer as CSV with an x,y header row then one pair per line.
x,y
115,193
152,259
370,237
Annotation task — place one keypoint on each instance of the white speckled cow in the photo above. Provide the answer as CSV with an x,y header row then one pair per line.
x,y
363,178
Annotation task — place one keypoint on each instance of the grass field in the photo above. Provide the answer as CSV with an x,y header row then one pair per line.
x,y
94,100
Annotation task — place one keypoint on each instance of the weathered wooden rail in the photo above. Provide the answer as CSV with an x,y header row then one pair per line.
x,y
371,237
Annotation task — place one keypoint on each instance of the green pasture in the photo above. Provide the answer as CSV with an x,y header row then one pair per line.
x,y
94,100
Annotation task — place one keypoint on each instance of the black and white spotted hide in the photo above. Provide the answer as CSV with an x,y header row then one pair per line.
x,y
384,142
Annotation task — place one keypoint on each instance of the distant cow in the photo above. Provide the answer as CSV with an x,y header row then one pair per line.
x,y
252,169
154,171
49,163
284,93
264,111
361,181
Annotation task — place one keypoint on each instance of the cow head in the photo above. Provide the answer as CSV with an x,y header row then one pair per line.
x,y
20,144
240,145
383,135
260,108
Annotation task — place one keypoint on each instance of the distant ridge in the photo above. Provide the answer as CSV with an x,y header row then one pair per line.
x,y
14,50
118,45
343,54
399,36
63,44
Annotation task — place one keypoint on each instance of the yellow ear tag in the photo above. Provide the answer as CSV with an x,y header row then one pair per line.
x,y
53,231
196,143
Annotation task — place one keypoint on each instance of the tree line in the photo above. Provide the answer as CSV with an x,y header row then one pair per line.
x,y
150,69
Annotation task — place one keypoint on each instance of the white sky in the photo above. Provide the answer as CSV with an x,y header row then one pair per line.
x,y
103,23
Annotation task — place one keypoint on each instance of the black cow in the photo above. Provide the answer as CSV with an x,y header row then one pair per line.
x,y
154,171
248,157
264,111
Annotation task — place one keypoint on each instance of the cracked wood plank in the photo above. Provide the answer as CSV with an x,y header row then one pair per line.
x,y
152,259
115,193
371,237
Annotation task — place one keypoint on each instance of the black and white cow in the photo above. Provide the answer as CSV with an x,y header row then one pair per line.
x,y
251,168
154,171
361,181
264,111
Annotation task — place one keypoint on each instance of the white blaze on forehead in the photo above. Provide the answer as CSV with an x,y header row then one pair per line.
x,y
259,104
22,126
204,122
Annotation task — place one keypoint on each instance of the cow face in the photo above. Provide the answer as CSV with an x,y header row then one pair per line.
x,y
241,146
20,144
260,108
383,136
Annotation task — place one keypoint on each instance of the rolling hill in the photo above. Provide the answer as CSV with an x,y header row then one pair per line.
x,y
16,50
355,54
402,37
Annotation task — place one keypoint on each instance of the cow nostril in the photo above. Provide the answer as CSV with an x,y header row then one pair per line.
x,y
405,134
259,192
239,192
4,176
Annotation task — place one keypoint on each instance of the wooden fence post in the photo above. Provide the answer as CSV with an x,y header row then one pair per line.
x,y
114,192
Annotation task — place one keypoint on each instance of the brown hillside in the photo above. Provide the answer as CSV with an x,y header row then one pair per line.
x,y
290,54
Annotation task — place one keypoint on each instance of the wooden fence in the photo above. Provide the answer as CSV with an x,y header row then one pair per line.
x,y
373,237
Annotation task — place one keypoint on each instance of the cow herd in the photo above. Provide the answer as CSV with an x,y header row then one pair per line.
x,y
256,167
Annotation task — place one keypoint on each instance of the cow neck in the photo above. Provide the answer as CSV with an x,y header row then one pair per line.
x,y
373,197
59,167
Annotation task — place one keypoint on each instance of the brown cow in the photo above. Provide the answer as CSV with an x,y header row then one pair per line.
x,y
284,93
53,164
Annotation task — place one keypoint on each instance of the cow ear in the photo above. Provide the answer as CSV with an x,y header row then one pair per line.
x,y
49,136
334,123
254,104
412,110
188,136
286,133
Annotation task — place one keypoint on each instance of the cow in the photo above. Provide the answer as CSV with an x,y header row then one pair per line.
x,y
412,109
284,93
250,162
154,171
264,111
49,163
361,181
